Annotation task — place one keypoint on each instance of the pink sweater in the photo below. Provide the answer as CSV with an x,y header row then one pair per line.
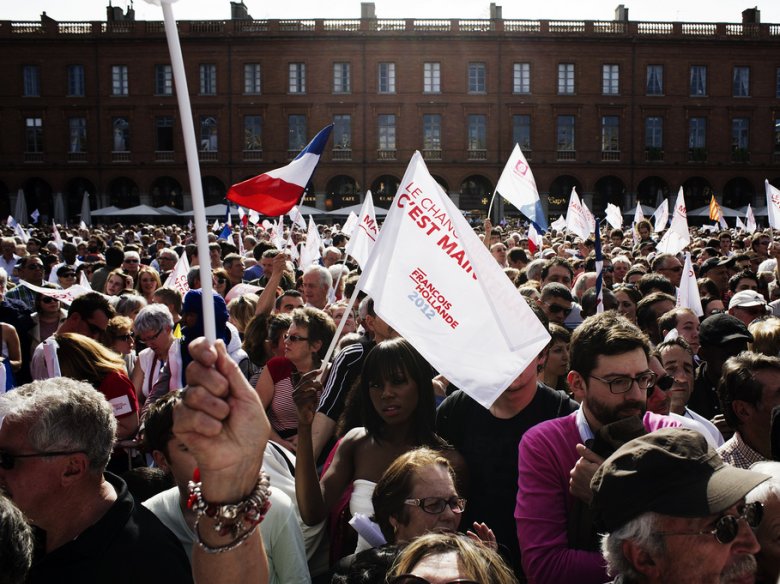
x,y
547,455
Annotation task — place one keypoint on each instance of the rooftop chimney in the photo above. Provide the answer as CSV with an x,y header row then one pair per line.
x,y
495,11
239,11
751,16
621,13
367,10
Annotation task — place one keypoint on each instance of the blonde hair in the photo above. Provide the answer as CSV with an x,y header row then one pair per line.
x,y
476,560
766,336
241,310
85,359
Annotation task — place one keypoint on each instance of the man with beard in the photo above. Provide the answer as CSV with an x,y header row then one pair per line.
x,y
675,512
611,377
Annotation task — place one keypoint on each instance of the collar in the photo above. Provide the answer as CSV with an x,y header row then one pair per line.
x,y
582,426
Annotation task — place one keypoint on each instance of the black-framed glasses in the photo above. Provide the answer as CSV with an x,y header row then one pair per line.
x,y
126,338
436,505
221,280
69,275
33,267
8,460
557,309
622,383
412,579
294,338
727,527
150,339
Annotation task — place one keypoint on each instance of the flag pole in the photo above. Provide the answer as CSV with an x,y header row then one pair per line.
x,y
193,169
337,334
490,207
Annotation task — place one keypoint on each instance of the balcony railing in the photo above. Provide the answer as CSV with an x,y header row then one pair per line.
x,y
476,154
341,154
566,155
654,155
120,156
33,156
432,154
697,155
207,155
253,155
163,155
385,154
610,155
77,156
740,155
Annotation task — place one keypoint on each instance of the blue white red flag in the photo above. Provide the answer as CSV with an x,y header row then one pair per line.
x,y
517,185
225,233
275,192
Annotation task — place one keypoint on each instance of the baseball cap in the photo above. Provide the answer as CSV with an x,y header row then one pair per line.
x,y
719,329
672,471
746,299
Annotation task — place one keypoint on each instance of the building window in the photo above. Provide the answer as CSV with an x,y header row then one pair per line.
x,y
521,78
565,134
654,132
521,131
698,80
386,78
33,130
119,84
741,82
740,139
208,79
252,79
163,80
297,78
565,78
208,134
476,135
431,77
121,130
610,134
386,131
77,135
297,133
342,132
432,132
610,79
341,78
76,80
253,132
31,75
697,139
164,134
477,76
655,80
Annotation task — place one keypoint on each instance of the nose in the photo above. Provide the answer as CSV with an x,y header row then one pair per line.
x,y
746,541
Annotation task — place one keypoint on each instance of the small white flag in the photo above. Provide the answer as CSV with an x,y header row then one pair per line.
x,y
254,217
614,216
84,281
57,239
34,216
177,279
688,292
297,218
638,215
310,253
772,205
215,227
740,225
750,226
349,225
365,234
661,216
578,217
677,236
11,222
559,224
21,233
82,225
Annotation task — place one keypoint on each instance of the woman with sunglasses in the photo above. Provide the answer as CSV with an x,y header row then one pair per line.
x,y
221,282
119,338
66,277
305,344
47,318
447,558
397,404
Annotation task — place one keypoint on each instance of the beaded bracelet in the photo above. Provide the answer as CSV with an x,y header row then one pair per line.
x,y
239,520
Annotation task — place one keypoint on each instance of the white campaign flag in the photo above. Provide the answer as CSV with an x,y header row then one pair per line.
x,y
688,292
661,217
310,253
518,186
177,279
350,224
277,234
21,233
57,238
67,296
559,224
215,227
364,235
82,225
297,218
84,281
750,226
772,205
254,217
435,282
614,216
741,225
677,238
638,215
578,217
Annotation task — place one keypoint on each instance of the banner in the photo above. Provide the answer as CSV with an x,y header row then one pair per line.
x,y
517,185
435,282
661,217
578,217
772,205
67,296
750,226
688,292
365,233
677,238
177,279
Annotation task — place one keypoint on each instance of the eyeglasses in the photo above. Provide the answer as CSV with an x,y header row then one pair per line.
x,y
623,383
69,275
8,460
727,527
436,505
557,309
126,338
294,338
221,280
150,339
412,579
48,299
34,267
664,383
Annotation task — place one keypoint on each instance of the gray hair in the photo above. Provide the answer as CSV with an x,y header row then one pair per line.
x,y
534,269
152,318
326,280
64,415
763,492
129,303
642,531
169,251
333,249
16,543
133,254
193,276
3,280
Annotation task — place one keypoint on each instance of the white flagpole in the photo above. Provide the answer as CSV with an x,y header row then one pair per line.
x,y
193,169
337,334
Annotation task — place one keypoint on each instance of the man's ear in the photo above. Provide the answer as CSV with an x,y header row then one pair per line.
x,y
576,385
76,467
641,560
160,461
742,409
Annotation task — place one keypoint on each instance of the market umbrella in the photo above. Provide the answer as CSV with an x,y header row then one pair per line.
x,y
378,211
110,210
86,215
20,210
705,212
59,210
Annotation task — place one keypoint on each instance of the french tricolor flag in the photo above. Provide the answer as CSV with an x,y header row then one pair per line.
x,y
275,192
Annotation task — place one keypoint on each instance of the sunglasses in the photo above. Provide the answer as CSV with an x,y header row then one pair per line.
x,y
95,329
69,275
8,460
150,339
412,579
132,261
126,338
664,383
557,309
436,505
727,527
295,338
221,280
48,300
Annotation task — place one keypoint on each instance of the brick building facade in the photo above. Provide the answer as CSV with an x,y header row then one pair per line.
x,y
622,110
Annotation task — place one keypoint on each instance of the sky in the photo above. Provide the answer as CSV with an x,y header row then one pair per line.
x,y
644,10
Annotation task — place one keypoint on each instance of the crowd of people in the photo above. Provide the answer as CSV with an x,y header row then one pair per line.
x,y
638,446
